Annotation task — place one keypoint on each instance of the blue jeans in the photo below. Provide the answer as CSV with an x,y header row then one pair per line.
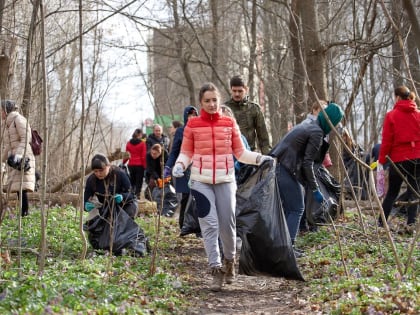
x,y
292,199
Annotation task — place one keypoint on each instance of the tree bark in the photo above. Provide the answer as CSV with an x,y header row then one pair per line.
x,y
27,91
314,51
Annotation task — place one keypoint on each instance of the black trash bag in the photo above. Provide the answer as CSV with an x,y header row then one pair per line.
x,y
244,172
260,223
126,232
170,201
124,167
317,213
190,224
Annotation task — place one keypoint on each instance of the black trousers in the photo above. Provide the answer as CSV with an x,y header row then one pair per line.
x,y
25,203
411,171
136,178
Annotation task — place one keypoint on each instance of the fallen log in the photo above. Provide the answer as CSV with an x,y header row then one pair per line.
x,y
145,207
117,155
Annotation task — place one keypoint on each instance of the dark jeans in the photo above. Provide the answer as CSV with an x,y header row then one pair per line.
x,y
411,171
292,199
25,203
136,178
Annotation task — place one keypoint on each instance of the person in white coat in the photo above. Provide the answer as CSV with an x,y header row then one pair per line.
x,y
18,154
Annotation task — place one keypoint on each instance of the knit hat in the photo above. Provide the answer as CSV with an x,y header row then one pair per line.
x,y
335,114
99,161
8,106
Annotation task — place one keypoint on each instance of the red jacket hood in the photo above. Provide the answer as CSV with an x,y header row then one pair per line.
x,y
406,105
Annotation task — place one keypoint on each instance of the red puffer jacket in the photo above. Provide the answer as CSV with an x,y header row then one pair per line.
x,y
401,133
209,142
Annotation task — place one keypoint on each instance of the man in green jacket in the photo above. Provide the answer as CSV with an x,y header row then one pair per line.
x,y
248,116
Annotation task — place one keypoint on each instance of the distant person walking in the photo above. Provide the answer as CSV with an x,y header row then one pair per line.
x,y
401,143
249,116
18,153
137,161
158,137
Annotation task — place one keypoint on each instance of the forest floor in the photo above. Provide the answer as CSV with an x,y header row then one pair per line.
x,y
247,295
321,268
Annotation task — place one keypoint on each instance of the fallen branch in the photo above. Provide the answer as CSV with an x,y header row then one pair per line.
x,y
117,155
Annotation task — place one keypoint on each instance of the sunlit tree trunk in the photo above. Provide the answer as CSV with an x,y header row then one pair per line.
x,y
44,111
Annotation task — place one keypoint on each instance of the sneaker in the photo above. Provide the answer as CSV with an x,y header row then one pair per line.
x,y
218,277
230,270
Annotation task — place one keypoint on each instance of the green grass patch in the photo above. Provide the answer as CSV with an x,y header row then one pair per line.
x,y
99,284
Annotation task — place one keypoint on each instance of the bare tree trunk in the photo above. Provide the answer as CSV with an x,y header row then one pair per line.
x,y
182,55
214,4
4,70
27,92
412,16
43,245
253,48
396,49
2,3
413,58
314,51
82,86
300,107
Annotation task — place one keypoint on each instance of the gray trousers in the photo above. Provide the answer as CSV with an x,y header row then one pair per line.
x,y
216,214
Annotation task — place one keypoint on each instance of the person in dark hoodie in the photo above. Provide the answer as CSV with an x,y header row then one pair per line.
x,y
181,184
158,137
137,161
296,154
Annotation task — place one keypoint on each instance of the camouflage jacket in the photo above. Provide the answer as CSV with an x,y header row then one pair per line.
x,y
251,123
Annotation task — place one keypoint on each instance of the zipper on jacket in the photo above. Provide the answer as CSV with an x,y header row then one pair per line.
x,y
214,152
201,165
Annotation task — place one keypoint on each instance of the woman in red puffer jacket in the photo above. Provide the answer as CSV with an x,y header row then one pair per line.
x,y
209,141
401,143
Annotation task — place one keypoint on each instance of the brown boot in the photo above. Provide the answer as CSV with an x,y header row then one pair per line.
x,y
230,270
218,277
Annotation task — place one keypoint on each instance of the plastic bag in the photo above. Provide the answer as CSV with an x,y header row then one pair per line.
x,y
190,224
330,188
261,225
170,201
380,181
125,232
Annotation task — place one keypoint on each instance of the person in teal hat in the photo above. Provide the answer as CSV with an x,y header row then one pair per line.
x,y
297,153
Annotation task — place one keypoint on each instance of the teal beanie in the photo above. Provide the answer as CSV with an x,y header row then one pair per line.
x,y
335,114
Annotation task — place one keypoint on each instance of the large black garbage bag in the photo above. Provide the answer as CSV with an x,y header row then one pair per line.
x,y
317,213
190,224
170,201
125,232
260,223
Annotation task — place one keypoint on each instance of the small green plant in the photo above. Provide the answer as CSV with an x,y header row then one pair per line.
x,y
70,285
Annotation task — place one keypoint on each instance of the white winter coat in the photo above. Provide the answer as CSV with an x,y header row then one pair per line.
x,y
17,137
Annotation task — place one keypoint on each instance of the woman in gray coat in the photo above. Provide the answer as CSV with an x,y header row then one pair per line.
x,y
18,153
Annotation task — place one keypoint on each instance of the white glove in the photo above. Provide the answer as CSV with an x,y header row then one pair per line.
x,y
178,170
262,158
17,158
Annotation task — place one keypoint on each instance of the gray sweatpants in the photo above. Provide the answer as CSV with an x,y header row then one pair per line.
x,y
216,214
